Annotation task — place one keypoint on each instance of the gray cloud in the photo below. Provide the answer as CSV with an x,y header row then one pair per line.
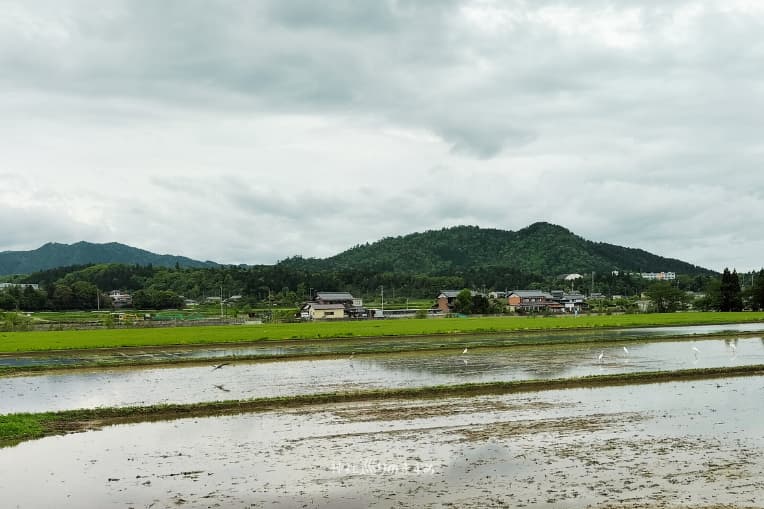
x,y
282,119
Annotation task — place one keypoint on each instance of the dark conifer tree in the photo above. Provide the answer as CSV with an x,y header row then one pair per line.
x,y
757,291
731,295
736,297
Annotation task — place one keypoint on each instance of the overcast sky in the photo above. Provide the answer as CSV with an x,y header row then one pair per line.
x,y
250,131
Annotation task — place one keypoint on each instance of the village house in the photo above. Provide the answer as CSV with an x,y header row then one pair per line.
x,y
532,301
445,300
537,301
119,299
333,306
344,298
316,311
573,302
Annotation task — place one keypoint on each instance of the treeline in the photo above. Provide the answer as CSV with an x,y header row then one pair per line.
x,y
81,287
87,287
58,296
726,293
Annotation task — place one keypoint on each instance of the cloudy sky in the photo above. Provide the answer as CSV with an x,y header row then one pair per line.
x,y
249,131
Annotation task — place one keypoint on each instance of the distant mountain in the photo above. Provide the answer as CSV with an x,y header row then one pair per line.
x,y
52,255
540,248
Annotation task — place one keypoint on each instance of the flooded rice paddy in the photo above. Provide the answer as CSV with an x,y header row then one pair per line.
x,y
301,348
89,388
683,444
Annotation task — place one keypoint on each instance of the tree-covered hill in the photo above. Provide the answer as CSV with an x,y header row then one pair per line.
x,y
540,248
52,255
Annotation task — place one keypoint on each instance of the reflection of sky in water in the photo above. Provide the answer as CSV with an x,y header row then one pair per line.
x,y
132,386
285,458
360,345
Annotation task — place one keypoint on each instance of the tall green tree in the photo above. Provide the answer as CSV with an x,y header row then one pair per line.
x,y
731,297
757,291
463,302
7,301
32,300
480,304
665,297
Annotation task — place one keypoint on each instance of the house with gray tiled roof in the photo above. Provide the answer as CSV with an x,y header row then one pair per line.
x,y
333,305
532,301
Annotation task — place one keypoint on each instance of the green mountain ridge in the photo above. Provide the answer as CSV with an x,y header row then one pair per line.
x,y
53,255
541,248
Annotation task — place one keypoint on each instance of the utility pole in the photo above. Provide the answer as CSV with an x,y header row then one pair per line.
x,y
221,300
383,301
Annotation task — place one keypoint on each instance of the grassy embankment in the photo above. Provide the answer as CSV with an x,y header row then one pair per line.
x,y
118,338
16,428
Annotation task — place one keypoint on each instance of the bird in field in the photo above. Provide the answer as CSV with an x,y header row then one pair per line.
x,y
625,350
601,356
733,348
220,366
695,352
222,388
464,351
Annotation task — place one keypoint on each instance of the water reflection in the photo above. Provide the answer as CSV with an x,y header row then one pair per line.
x,y
244,380
359,345
695,441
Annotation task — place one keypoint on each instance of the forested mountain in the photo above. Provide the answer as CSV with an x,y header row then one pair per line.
x,y
540,248
413,266
52,255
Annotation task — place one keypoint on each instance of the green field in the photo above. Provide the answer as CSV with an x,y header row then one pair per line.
x,y
116,338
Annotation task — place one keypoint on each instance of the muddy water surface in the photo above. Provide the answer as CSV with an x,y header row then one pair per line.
x,y
689,444
245,380
359,345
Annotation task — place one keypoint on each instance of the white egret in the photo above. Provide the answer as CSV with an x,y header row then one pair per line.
x,y
625,350
464,351
601,356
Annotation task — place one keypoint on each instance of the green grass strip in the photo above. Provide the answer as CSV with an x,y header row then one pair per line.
x,y
360,346
14,342
16,428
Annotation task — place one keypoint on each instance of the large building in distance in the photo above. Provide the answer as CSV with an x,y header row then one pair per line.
x,y
660,276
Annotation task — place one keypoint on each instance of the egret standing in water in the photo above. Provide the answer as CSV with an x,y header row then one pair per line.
x,y
695,352
625,350
601,356
464,352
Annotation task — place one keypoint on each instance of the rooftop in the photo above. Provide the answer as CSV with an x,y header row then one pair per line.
x,y
333,296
